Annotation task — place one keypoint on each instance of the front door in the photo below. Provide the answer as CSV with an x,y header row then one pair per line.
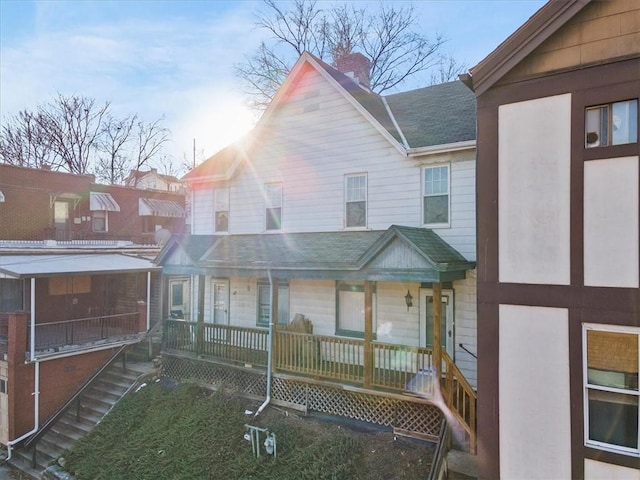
x,y
219,302
61,220
179,298
447,332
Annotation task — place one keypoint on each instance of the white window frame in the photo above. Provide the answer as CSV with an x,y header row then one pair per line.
x,y
348,199
220,205
437,194
341,324
273,195
264,309
609,124
622,391
106,221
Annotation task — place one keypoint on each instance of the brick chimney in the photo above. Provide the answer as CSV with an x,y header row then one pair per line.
x,y
356,66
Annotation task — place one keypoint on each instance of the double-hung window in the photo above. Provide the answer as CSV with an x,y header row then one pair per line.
x,y
264,303
221,209
350,309
610,356
435,195
273,205
611,124
355,201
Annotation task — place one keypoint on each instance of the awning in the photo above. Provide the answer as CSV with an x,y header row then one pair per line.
x,y
28,266
160,208
102,201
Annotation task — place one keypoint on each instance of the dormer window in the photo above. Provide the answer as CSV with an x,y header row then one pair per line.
x,y
611,124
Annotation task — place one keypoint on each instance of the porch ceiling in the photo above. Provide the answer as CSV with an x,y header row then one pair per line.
x,y
396,254
28,266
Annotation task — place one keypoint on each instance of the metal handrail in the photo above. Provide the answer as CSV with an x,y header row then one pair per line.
x,y
440,455
33,439
461,345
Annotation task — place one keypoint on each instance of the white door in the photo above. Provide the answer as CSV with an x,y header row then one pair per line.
x,y
219,302
447,325
179,298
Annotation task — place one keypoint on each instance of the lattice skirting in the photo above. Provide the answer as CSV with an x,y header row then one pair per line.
x,y
406,415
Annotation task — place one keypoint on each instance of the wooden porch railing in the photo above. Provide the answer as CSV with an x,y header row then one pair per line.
x,y
460,398
395,367
55,335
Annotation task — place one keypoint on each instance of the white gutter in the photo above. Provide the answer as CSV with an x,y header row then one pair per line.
x,y
395,124
443,148
36,379
148,300
36,414
270,350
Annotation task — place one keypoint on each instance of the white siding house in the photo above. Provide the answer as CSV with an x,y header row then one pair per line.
x,y
336,189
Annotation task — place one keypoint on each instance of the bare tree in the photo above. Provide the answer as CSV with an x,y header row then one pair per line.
x,y
74,134
150,137
387,36
113,160
73,126
24,142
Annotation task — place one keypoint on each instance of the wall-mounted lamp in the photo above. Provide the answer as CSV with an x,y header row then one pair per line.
x,y
408,299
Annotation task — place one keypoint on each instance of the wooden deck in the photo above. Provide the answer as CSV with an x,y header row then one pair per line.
x,y
391,368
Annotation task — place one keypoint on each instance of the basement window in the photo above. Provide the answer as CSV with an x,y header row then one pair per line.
x,y
611,395
611,124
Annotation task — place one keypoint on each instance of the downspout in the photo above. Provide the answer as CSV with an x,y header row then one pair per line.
x,y
36,379
148,300
270,350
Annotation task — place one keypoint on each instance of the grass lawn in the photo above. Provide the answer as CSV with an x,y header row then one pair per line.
x,y
187,432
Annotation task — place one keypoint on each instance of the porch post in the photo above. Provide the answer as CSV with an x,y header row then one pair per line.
x,y
274,318
368,333
437,320
200,327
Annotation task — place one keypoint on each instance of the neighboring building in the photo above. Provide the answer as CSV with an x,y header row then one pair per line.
x,y
353,211
76,283
152,180
46,205
558,229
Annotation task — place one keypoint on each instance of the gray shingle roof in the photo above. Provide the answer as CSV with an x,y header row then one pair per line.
x,y
310,253
435,115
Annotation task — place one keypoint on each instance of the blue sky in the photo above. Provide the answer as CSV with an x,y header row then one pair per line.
x,y
174,58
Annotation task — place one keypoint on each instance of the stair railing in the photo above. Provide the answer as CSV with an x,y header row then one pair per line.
x,y
32,441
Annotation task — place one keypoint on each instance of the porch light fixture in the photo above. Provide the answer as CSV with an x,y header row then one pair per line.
x,y
408,299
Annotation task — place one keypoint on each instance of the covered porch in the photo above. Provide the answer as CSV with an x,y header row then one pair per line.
x,y
73,302
361,362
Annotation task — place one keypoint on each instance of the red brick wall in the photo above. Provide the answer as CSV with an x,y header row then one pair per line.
x,y
59,379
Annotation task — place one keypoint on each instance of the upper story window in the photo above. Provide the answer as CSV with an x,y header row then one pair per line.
x,y
355,200
273,204
435,195
611,124
221,209
610,370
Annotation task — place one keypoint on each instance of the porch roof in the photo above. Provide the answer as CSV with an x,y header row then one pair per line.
x,y
396,254
28,266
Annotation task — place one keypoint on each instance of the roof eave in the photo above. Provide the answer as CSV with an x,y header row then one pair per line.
x,y
521,43
443,148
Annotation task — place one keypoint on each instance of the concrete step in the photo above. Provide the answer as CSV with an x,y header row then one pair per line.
x,y
97,401
462,464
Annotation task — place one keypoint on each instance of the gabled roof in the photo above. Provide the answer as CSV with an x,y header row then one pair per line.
x,y
219,166
544,23
330,255
435,115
